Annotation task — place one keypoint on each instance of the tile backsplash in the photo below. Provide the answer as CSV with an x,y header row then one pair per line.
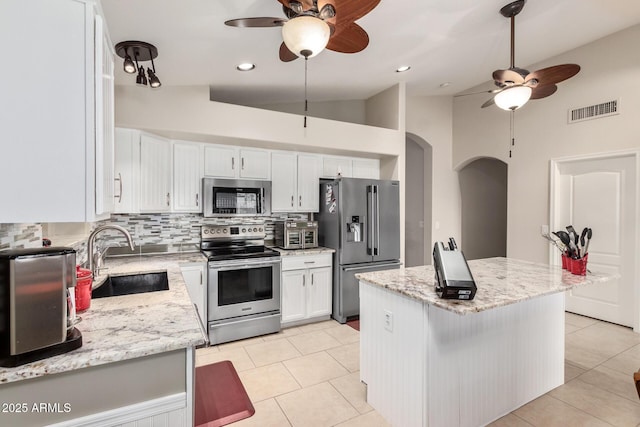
x,y
146,229
18,236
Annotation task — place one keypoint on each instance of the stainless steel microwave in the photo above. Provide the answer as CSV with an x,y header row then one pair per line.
x,y
236,197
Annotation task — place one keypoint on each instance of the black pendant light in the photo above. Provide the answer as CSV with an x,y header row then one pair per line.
x,y
137,51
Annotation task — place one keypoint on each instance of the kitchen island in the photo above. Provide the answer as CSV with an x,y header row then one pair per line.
x,y
434,362
136,361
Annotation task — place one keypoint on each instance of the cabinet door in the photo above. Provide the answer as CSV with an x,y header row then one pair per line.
x,y
294,284
126,172
366,168
283,182
308,183
104,116
155,174
319,292
254,164
220,162
334,166
187,177
196,281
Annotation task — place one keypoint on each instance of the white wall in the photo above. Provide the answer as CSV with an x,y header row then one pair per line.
x,y
610,70
431,119
352,111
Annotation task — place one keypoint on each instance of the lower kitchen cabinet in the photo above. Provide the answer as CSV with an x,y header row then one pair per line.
x,y
196,280
306,288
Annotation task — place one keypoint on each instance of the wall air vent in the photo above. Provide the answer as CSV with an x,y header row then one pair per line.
x,y
596,111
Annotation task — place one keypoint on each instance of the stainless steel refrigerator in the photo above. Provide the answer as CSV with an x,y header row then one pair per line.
x,y
360,219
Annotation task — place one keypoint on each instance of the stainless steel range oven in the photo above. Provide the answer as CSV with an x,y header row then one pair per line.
x,y
244,282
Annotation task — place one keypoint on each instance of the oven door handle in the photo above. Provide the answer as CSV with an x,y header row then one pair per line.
x,y
243,266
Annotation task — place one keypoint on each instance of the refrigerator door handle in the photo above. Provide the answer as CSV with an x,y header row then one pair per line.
x,y
376,249
370,241
368,267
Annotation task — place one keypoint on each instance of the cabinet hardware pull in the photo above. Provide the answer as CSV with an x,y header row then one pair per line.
x,y
242,163
292,200
233,163
119,179
201,282
304,280
312,279
168,199
300,201
197,199
309,262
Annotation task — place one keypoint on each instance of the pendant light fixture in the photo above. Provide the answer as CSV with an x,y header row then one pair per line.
x,y
134,52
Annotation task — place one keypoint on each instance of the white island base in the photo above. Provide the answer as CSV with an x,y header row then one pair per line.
x,y
426,366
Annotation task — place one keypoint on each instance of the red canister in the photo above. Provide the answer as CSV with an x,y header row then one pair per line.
x,y
83,289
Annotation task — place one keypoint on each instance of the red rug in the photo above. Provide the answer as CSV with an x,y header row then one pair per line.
x,y
355,324
220,396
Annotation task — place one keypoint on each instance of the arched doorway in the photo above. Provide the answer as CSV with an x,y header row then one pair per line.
x,y
483,191
418,179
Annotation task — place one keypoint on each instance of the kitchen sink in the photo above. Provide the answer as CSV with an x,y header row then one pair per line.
x,y
132,284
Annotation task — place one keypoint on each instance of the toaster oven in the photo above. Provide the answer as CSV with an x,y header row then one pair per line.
x,y
292,234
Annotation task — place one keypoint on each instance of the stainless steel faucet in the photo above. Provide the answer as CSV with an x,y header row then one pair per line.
x,y
94,257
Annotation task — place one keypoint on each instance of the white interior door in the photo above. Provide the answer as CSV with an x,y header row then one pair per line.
x,y
601,193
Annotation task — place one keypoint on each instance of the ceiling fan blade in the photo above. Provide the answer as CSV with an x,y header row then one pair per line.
x,y
508,77
256,22
553,75
352,10
489,103
477,93
286,55
542,91
350,39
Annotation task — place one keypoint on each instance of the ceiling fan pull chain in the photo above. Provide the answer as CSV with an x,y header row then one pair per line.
x,y
306,59
512,131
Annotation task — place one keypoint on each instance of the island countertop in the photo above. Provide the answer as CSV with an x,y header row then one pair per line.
x,y
500,282
126,327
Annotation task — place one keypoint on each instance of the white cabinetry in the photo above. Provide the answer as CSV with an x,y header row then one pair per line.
x,y
350,167
187,177
127,169
155,174
306,288
48,105
195,278
232,162
294,182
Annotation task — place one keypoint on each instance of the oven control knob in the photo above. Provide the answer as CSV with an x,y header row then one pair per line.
x,y
205,231
260,229
218,231
244,230
224,231
255,229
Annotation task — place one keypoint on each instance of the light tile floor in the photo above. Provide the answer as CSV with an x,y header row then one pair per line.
x,y
308,376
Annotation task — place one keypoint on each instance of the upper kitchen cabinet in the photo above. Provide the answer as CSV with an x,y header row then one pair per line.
x,y
57,112
143,172
294,182
233,162
155,174
187,177
350,167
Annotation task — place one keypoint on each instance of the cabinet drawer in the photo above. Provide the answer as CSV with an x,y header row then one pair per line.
x,y
306,261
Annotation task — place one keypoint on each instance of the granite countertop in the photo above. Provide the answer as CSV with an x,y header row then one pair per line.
x,y
129,326
500,282
310,251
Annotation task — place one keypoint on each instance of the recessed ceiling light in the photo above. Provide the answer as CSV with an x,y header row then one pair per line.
x,y
403,69
245,67
445,84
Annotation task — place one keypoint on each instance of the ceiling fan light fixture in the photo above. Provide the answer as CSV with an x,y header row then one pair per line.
x,y
306,35
513,97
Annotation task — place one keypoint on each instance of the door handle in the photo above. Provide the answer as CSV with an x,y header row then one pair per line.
x,y
119,179
370,242
369,267
376,250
